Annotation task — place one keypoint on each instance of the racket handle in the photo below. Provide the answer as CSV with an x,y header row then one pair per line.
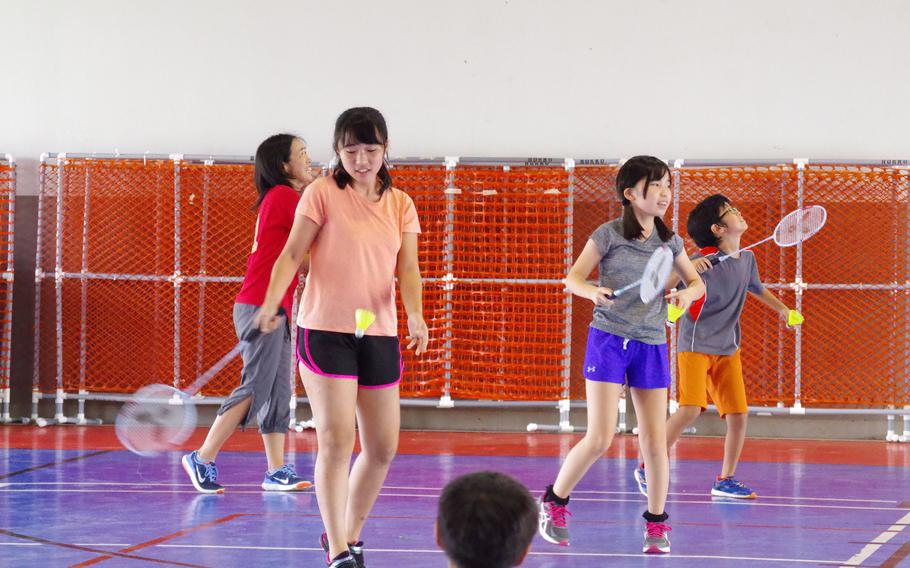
x,y
251,334
619,292
714,258
255,332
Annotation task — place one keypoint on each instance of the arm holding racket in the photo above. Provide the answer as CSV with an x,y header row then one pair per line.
x,y
701,264
296,250
576,281
411,285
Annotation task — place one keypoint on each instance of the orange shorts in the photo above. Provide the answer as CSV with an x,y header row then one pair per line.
x,y
721,376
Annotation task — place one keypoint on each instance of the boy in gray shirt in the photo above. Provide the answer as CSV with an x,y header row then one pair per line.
x,y
709,336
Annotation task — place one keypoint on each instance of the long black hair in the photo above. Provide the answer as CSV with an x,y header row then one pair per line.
x,y
271,156
634,170
360,125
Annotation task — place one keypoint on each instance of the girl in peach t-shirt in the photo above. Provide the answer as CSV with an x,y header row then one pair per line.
x,y
359,231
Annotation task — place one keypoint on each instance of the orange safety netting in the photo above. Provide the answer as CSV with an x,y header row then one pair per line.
x,y
493,252
424,376
7,208
857,350
509,240
118,333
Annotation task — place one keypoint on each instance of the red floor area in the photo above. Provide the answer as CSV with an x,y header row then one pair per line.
x,y
498,444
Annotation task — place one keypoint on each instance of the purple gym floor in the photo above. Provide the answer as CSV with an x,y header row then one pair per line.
x,y
86,507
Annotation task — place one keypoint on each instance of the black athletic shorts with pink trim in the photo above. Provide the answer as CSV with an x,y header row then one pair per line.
x,y
373,361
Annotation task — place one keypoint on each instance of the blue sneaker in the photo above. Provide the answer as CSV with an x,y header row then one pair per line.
x,y
203,475
285,479
639,475
730,487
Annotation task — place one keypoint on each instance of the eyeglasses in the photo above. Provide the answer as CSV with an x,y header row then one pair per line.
x,y
733,210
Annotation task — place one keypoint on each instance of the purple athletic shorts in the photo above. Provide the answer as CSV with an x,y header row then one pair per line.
x,y
613,359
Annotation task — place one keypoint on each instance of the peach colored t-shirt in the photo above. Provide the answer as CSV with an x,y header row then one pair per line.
x,y
353,257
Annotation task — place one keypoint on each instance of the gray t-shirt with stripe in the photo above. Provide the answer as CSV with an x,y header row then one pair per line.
x,y
622,263
717,331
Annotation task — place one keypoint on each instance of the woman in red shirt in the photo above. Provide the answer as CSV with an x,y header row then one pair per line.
x,y
282,171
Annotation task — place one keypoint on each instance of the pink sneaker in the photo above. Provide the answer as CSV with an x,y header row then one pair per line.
x,y
656,540
552,523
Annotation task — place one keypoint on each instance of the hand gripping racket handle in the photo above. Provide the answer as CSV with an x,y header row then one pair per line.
x,y
254,332
250,335
616,293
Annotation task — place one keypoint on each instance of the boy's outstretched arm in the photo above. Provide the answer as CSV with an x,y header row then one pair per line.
x,y
769,299
773,302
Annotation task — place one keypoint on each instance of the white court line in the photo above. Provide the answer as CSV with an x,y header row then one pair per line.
x,y
748,503
684,494
731,502
101,490
761,497
434,551
93,544
668,557
439,489
877,542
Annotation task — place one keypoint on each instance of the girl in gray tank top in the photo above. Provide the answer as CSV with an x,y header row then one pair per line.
x,y
626,345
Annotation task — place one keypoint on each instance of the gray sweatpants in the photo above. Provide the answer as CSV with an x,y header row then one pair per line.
x,y
266,375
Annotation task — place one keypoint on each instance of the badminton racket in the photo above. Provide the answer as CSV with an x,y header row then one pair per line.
x,y
795,227
653,279
158,417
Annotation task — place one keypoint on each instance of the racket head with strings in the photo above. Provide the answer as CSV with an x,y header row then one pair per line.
x,y
656,274
799,225
157,418
796,227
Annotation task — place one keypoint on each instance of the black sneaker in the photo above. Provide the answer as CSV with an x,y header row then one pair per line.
x,y
343,560
355,549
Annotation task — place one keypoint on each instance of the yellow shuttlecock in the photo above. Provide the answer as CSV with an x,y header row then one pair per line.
x,y
794,318
363,320
674,312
